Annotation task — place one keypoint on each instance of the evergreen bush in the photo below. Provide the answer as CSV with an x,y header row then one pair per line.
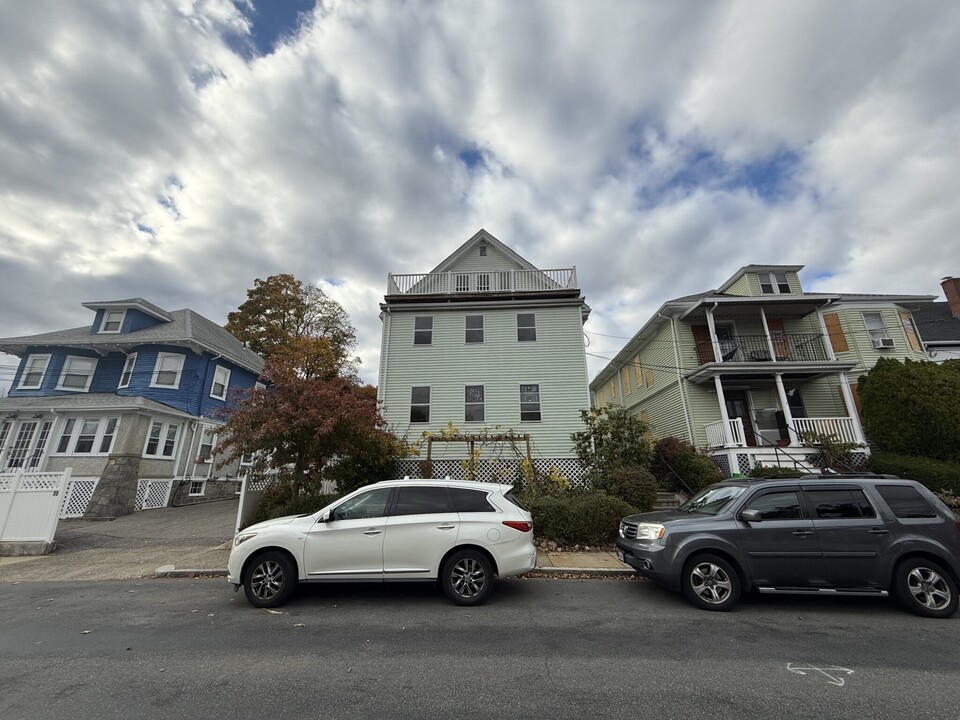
x,y
678,465
635,486
578,518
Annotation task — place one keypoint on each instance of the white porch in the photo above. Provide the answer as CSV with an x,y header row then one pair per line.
x,y
842,429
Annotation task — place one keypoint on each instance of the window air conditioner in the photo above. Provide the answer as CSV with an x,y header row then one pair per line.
x,y
881,343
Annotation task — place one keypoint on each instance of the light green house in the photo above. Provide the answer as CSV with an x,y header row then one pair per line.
x,y
491,346
755,369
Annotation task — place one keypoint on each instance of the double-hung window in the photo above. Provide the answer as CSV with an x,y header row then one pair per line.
x,y
879,335
774,284
77,373
423,330
208,440
530,403
474,329
420,404
473,404
166,372
112,321
87,436
33,371
162,439
127,374
526,327
221,381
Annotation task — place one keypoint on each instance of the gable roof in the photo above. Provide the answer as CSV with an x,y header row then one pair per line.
x,y
185,327
482,237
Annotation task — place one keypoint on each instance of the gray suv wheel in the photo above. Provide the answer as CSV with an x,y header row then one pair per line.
x,y
711,583
925,588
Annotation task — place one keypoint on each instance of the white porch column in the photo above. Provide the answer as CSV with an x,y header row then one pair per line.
x,y
766,332
727,435
852,408
826,335
787,415
717,354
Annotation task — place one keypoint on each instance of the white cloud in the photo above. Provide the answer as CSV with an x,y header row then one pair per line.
x,y
143,156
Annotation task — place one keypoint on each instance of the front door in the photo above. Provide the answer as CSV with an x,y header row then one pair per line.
x,y
739,407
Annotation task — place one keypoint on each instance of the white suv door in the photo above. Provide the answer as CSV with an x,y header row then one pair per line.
x,y
422,527
349,545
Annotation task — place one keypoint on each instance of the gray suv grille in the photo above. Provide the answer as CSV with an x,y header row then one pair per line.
x,y
628,531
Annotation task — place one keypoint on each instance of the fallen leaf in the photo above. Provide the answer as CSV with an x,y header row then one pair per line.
x,y
84,632
299,625
273,612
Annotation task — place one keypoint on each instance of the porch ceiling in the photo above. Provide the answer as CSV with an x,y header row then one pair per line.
x,y
735,371
734,308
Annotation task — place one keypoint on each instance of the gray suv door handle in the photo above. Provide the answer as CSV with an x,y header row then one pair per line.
x,y
447,526
878,531
803,533
372,531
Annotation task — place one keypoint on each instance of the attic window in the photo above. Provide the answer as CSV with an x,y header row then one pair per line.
x,y
112,321
774,284
483,251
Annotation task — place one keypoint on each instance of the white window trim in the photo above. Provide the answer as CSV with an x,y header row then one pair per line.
x,y
482,404
774,283
63,373
164,429
226,382
539,401
203,486
210,431
429,404
132,359
533,327
103,321
156,370
102,423
467,330
43,373
423,330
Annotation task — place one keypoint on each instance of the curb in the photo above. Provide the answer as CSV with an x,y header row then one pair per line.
x,y
169,571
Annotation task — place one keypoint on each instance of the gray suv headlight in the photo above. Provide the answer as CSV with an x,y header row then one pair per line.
x,y
650,531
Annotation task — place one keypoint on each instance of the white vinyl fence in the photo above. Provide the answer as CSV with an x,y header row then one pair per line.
x,y
30,507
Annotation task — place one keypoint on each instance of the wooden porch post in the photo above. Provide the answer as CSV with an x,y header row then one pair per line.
x,y
727,435
785,406
852,408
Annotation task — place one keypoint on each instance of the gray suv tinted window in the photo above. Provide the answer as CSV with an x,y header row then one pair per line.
x,y
906,502
828,503
783,505
422,500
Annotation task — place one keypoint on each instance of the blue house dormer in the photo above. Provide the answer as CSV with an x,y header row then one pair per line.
x,y
125,316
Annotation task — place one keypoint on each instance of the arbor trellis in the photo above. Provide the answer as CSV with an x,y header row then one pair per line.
x,y
483,439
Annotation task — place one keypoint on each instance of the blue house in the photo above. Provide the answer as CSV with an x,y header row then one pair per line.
x,y
129,402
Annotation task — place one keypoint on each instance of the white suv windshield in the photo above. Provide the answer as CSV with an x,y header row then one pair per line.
x,y
712,500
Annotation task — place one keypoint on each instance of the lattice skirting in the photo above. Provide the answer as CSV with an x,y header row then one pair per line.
x,y
152,494
78,494
505,471
723,463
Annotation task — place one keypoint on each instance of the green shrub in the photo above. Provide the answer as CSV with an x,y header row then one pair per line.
x,y
935,474
678,465
635,486
774,472
276,502
578,518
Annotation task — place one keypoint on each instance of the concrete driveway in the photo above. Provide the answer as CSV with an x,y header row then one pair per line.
x,y
195,537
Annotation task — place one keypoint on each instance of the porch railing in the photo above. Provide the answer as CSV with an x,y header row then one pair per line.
x,y
717,438
492,281
801,347
839,427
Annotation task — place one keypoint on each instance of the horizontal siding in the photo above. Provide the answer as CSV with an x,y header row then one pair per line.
x,y
860,346
742,286
555,362
492,261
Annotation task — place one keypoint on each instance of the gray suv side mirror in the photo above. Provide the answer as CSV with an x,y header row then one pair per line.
x,y
750,515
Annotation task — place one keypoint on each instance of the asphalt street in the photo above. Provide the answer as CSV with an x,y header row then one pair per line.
x,y
541,648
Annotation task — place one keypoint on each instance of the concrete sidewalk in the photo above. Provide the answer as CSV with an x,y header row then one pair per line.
x,y
192,540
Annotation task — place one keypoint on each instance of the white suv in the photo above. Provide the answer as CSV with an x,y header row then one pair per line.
x,y
463,534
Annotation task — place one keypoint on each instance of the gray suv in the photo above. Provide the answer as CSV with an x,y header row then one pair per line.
x,y
827,534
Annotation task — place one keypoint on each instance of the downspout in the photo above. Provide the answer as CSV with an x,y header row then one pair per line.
x,y
386,354
683,394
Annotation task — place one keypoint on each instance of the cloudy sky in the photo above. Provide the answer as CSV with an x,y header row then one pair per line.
x,y
178,150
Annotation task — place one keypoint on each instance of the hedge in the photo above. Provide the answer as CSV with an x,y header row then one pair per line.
x,y
578,518
935,474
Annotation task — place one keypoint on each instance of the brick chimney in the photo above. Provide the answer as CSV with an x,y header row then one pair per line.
x,y
951,288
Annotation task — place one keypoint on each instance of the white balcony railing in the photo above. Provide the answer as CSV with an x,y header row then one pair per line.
x,y
840,428
492,281
716,437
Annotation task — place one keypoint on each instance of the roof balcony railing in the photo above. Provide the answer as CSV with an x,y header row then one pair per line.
x,y
446,283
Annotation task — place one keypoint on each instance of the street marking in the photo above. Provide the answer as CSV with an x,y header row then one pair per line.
x,y
831,672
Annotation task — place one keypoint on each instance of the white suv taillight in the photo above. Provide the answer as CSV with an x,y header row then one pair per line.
x,y
521,525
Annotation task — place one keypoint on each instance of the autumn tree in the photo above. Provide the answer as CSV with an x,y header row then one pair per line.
x,y
282,313
313,428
